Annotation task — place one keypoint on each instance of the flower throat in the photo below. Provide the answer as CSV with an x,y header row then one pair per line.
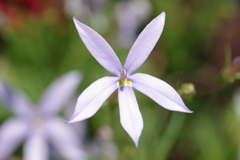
x,y
123,79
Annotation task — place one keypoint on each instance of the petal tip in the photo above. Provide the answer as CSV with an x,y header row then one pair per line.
x,y
71,120
78,25
162,17
76,118
136,143
75,74
190,111
163,13
75,19
187,110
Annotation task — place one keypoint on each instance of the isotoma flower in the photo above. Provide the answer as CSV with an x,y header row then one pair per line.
x,y
38,126
94,96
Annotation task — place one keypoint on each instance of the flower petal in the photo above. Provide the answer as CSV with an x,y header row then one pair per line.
x,y
99,48
12,133
144,44
18,102
59,92
158,90
130,115
93,97
36,148
66,141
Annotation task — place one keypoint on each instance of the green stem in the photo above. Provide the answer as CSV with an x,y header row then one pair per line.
x,y
169,136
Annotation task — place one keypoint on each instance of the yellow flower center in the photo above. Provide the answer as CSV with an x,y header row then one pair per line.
x,y
37,122
123,79
125,82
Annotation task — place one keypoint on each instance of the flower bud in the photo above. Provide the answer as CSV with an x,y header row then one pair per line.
x,y
187,90
232,72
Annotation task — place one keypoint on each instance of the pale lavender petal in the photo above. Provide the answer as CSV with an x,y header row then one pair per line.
x,y
130,115
36,148
12,133
59,92
144,44
99,48
15,99
64,139
158,90
93,97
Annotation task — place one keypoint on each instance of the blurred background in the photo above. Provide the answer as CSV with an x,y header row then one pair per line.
x,y
197,54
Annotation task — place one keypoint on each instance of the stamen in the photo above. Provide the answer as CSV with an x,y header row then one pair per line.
x,y
123,74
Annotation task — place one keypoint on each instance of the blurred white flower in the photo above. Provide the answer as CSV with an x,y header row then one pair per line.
x,y
103,145
74,7
90,11
130,15
38,126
